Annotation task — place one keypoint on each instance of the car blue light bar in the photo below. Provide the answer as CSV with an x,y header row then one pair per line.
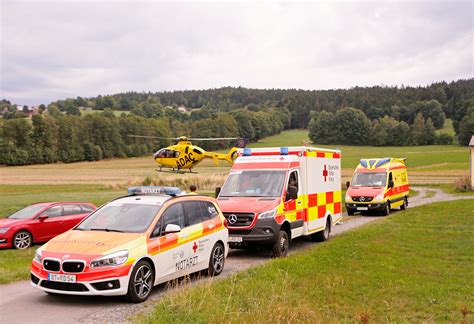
x,y
283,151
247,152
154,190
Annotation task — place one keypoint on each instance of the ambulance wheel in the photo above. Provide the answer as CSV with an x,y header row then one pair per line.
x,y
281,246
322,235
386,210
405,204
216,260
141,282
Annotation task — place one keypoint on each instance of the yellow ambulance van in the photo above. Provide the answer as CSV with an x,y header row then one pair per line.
x,y
378,185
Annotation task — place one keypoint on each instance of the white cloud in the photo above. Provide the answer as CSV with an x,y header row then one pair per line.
x,y
57,50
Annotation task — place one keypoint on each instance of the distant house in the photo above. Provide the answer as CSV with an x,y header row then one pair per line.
x,y
182,109
31,110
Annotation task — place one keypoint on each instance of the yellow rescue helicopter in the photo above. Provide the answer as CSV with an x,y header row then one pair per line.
x,y
185,155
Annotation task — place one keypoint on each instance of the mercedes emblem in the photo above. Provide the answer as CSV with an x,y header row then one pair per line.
x,y
232,219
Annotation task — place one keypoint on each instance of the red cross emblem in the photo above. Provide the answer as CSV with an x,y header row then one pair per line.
x,y
325,173
195,247
282,158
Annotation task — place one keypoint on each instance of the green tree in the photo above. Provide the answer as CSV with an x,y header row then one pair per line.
x,y
466,127
353,127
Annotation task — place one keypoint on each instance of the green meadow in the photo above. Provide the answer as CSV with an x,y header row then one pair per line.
x,y
414,266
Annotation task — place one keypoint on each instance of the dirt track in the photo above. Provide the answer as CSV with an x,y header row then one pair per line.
x,y
20,303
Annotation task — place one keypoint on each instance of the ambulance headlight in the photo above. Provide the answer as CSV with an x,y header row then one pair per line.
x,y
110,260
267,214
380,196
37,257
348,198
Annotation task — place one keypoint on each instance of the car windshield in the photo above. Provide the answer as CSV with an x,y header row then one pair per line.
x,y
369,179
26,212
120,217
255,183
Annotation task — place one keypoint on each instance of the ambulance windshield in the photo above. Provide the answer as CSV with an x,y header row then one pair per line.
x,y
369,179
254,183
120,217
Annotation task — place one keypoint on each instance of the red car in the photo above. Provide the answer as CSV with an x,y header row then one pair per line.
x,y
41,222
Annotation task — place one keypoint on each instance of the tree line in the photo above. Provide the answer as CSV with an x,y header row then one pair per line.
x,y
453,99
377,116
53,137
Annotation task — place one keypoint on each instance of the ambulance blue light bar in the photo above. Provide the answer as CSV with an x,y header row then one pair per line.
x,y
283,151
154,190
247,152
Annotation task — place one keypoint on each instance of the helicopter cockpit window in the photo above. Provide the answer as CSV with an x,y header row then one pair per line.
x,y
171,154
161,154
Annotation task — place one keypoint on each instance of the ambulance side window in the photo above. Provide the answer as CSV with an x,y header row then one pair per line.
x,y
173,215
390,179
208,210
292,185
193,213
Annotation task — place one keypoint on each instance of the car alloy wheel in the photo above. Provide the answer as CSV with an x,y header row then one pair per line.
x,y
218,259
143,281
22,240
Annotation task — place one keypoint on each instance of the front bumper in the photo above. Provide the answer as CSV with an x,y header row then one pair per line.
x,y
364,207
91,284
264,232
5,241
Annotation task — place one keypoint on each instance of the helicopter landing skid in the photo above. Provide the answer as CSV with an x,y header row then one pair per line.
x,y
175,171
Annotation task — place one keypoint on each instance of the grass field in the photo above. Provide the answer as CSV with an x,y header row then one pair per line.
x,y
410,267
117,113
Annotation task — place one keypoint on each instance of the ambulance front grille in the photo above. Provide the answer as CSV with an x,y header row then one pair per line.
x,y
362,198
239,219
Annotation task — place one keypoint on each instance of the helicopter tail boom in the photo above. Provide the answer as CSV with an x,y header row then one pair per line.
x,y
229,157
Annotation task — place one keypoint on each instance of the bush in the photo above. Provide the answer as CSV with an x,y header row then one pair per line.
x,y
444,139
463,184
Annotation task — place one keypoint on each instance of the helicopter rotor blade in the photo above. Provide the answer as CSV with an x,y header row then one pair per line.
x,y
213,139
156,137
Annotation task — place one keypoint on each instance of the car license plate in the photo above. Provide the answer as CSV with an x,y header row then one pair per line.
x,y
235,239
362,208
61,277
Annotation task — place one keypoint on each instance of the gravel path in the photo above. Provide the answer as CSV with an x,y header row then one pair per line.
x,y
20,303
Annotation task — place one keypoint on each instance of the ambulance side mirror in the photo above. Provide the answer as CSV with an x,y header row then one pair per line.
x,y
348,184
291,193
391,184
217,191
172,228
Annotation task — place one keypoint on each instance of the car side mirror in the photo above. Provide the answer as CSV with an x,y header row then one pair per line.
x,y
42,217
391,184
172,228
291,193
217,191
348,184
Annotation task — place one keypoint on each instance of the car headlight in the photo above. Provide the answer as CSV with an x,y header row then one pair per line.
x,y
113,259
267,214
380,196
38,255
4,229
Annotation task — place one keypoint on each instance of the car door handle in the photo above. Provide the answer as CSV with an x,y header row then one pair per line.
x,y
299,202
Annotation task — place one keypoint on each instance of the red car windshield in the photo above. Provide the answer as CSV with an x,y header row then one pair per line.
x,y
26,212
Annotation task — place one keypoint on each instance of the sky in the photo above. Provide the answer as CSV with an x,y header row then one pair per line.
x,y
59,49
